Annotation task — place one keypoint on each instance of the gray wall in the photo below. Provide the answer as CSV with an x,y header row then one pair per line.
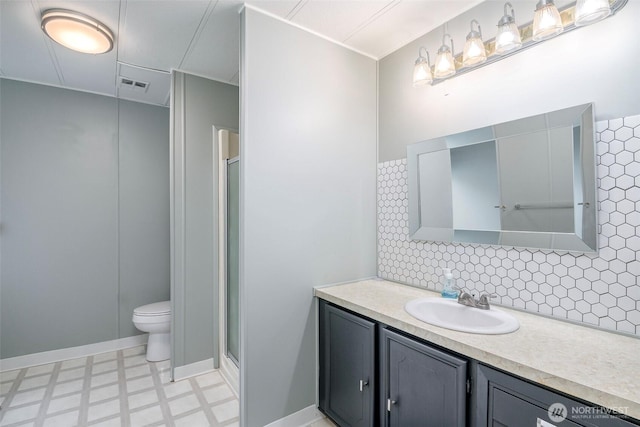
x,y
583,66
198,104
84,207
307,202
143,208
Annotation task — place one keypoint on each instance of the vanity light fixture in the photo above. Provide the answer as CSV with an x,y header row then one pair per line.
x,y
474,52
76,31
508,37
591,11
546,21
445,65
422,75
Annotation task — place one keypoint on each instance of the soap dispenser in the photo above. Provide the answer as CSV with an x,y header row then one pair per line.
x,y
448,288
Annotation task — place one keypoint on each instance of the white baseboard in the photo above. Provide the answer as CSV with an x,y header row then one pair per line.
x,y
52,356
302,418
193,369
230,373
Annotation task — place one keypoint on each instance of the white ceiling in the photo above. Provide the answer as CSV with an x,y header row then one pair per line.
x,y
198,36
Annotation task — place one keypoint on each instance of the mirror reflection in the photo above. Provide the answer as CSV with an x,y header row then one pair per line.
x,y
528,182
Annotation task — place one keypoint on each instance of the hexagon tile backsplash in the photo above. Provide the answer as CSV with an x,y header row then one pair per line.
x,y
600,290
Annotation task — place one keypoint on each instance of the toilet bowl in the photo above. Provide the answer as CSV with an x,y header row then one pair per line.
x,y
156,320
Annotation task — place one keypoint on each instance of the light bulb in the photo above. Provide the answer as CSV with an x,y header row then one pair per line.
x,y
474,52
422,71
546,21
508,37
445,65
590,11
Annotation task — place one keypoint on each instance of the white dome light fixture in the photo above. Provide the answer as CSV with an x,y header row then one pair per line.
x,y
77,31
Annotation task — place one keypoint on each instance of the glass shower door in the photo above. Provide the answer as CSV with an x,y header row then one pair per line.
x,y
233,237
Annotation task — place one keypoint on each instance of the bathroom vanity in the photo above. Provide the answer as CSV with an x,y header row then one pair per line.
x,y
381,367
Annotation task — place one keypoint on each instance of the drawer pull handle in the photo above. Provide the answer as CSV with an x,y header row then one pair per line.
x,y
543,423
363,384
389,403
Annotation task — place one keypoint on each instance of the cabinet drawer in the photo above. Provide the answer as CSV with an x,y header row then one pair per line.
x,y
505,400
510,411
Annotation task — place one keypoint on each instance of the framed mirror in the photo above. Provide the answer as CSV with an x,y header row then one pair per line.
x,y
525,183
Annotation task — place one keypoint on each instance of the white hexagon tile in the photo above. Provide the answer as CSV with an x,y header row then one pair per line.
x,y
600,290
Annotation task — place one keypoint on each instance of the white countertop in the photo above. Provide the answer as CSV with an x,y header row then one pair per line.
x,y
594,365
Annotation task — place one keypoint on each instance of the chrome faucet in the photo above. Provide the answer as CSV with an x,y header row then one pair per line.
x,y
467,299
482,303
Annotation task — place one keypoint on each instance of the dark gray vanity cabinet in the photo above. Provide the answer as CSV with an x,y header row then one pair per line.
x,y
421,385
347,367
372,375
504,400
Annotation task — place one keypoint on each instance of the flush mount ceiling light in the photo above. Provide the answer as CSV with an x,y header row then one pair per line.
x,y
77,31
548,21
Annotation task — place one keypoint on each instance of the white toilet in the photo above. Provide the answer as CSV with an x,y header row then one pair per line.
x,y
156,320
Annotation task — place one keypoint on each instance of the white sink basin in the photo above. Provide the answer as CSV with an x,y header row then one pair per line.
x,y
447,313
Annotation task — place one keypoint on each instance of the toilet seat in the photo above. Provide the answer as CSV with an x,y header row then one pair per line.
x,y
158,312
162,308
147,320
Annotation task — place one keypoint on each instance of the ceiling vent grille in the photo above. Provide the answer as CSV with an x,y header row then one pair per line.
x,y
136,85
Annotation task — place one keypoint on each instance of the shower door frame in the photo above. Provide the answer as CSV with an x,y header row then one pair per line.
x,y
225,284
229,368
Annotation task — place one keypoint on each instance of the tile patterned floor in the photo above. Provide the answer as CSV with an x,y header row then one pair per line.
x,y
119,389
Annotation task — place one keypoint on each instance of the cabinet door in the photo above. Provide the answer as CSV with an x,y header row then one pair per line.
x,y
347,367
502,400
422,386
